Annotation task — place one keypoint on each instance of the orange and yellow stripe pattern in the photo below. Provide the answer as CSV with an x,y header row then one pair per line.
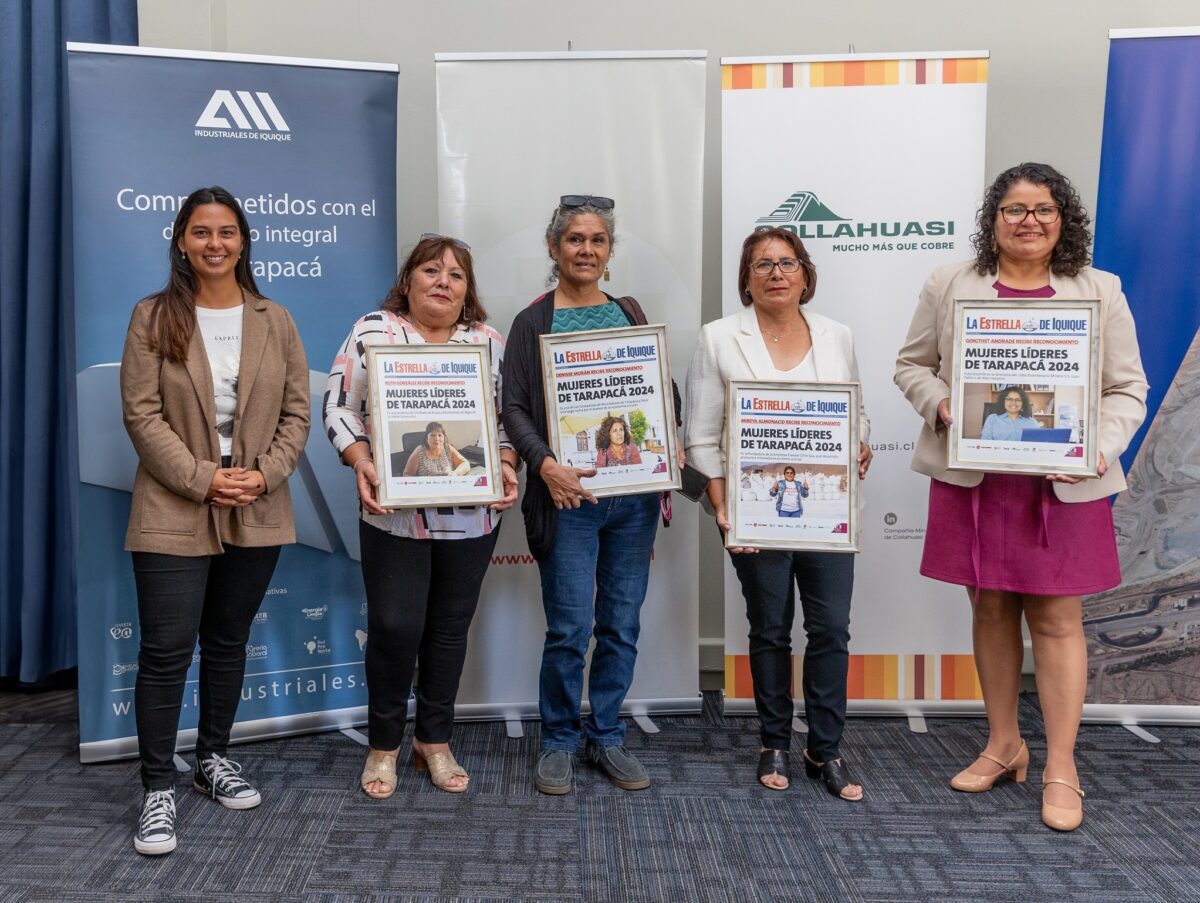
x,y
854,73
879,677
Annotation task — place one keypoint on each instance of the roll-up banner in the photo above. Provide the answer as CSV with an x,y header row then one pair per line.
x,y
876,162
308,148
1144,636
516,131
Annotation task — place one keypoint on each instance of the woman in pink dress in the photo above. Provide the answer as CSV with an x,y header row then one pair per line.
x,y
1025,545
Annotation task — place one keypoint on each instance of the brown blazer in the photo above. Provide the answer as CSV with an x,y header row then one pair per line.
x,y
923,371
171,417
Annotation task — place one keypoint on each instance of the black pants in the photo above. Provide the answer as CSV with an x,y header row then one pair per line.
x,y
421,596
214,597
826,581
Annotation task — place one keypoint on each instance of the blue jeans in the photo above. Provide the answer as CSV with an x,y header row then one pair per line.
x,y
594,582
783,513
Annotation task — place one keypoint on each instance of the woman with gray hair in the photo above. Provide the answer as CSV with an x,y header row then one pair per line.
x,y
594,558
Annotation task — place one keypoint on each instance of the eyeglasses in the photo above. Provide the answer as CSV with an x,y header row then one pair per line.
x,y
457,242
765,267
1016,213
586,200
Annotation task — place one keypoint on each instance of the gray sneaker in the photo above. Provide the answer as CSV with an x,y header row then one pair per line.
x,y
621,766
156,826
553,772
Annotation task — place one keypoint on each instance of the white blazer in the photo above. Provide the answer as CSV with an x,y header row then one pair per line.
x,y
734,348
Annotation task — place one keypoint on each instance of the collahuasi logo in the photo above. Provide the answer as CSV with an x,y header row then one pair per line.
x,y
254,116
804,214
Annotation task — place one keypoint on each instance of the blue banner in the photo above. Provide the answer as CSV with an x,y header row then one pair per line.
x,y
1148,210
1143,647
309,150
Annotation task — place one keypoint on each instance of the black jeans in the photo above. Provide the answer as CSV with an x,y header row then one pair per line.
x,y
826,581
214,597
421,596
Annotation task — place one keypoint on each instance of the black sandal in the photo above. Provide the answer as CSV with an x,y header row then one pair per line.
x,y
834,774
774,761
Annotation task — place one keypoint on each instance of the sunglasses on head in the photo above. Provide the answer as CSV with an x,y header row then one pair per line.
x,y
457,242
586,200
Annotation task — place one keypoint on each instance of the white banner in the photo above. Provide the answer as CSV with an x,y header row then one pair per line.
x,y
876,162
514,133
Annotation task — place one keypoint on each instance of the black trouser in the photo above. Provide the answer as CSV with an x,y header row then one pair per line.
x,y
216,598
421,596
826,581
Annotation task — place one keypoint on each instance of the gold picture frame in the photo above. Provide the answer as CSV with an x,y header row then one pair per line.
x,y
612,376
410,387
810,428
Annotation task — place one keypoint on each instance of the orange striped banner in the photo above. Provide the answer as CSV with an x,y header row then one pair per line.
x,y
959,678
919,672
877,677
854,73
873,677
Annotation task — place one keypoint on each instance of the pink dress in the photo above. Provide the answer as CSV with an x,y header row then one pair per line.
x,y
1012,533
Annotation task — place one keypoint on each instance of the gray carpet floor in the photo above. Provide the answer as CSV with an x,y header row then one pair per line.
x,y
703,831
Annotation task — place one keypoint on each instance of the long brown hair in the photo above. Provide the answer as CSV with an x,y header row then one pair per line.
x,y
173,317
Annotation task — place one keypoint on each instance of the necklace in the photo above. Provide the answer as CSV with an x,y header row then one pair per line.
x,y
775,336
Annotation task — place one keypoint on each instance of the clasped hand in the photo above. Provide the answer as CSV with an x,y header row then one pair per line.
x,y
235,487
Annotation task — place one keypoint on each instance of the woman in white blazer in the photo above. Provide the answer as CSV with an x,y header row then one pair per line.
x,y
774,339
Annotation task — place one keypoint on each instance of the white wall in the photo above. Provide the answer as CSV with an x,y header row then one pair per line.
x,y
1046,79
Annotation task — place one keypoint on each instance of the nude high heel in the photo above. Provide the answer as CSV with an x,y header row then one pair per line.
x,y
1018,768
1057,817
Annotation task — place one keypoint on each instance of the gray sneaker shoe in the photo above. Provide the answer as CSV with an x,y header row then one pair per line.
x,y
156,826
553,772
621,766
222,779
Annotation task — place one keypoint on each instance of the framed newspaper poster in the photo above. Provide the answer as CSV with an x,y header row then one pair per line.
x,y
609,407
1025,390
433,425
791,465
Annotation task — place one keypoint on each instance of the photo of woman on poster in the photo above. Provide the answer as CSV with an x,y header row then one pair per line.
x,y
614,444
435,457
787,494
1017,417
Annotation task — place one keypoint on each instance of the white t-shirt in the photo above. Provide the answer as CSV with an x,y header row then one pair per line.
x,y
791,495
803,372
222,334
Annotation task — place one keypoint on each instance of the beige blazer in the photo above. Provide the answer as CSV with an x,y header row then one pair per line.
x,y
733,348
170,416
923,371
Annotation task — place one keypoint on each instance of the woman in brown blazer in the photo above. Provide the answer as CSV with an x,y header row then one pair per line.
x,y
215,392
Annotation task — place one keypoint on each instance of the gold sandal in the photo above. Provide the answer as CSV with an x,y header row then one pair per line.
x,y
442,767
381,767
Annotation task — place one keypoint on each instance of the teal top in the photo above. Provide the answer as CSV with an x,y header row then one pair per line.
x,y
598,316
